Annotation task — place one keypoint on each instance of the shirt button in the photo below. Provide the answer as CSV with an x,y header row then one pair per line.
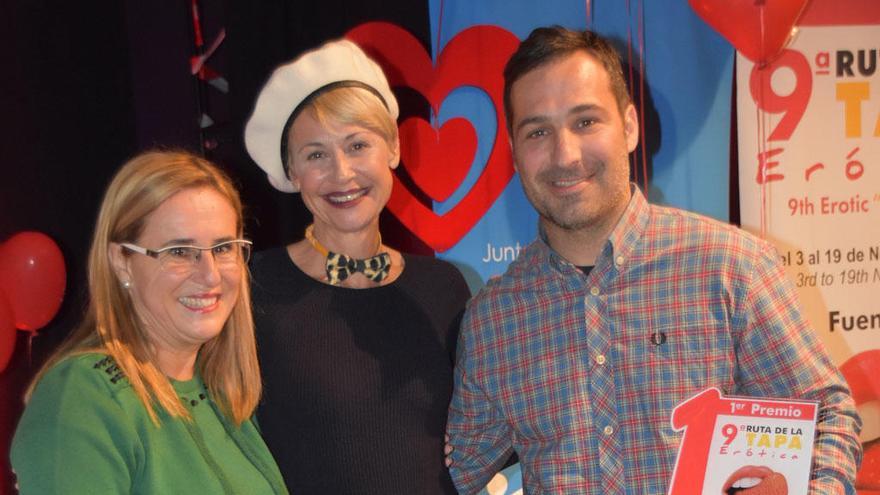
x,y
594,291
619,260
600,359
608,430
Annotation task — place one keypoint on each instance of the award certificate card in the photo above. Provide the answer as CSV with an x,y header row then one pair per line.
x,y
733,444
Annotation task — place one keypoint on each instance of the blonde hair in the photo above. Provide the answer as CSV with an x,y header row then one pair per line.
x,y
228,362
350,105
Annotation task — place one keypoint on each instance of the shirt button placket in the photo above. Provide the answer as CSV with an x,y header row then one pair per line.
x,y
602,391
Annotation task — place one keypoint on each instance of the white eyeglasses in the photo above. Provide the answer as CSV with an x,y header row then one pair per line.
x,y
184,258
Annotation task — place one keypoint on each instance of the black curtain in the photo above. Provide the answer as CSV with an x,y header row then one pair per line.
x,y
67,122
85,85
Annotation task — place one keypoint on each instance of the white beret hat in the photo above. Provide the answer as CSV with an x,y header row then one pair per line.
x,y
336,63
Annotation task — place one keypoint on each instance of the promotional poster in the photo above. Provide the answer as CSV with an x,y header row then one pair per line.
x,y
809,142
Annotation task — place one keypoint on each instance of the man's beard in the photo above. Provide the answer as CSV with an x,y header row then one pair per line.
x,y
577,213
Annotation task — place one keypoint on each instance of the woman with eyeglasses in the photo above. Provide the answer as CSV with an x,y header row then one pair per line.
x,y
154,391
356,339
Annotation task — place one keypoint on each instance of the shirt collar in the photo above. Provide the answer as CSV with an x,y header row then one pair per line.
x,y
630,228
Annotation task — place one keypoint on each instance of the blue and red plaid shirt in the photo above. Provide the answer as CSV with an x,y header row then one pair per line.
x,y
579,373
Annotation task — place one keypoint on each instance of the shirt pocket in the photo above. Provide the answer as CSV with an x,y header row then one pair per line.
x,y
545,398
688,358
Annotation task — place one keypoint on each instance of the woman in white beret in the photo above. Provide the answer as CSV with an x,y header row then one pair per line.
x,y
356,339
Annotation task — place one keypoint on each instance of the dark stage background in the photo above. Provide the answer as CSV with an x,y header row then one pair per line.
x,y
85,85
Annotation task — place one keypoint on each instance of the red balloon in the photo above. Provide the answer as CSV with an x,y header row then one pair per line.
x,y
861,371
7,332
33,277
759,29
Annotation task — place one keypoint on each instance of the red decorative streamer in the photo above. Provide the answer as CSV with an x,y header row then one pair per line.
x,y
640,156
642,57
439,31
589,8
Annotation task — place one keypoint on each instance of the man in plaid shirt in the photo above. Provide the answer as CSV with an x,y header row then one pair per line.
x,y
576,357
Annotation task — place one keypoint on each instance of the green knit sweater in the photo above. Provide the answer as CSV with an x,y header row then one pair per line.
x,y
85,431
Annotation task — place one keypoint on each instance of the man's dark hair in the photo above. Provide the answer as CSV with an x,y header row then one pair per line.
x,y
546,44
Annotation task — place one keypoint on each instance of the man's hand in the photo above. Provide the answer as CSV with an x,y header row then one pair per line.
x,y
447,450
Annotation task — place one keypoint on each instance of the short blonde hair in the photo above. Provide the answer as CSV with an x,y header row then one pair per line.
x,y
228,362
350,105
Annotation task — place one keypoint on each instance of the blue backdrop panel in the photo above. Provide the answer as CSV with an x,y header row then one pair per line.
x,y
688,82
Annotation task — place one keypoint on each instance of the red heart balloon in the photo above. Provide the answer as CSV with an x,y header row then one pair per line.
x,y
33,276
437,160
474,57
759,29
7,332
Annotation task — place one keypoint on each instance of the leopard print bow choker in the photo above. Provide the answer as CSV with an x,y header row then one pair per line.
x,y
339,266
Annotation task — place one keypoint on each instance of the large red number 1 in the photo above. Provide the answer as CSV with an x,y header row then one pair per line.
x,y
697,417
793,104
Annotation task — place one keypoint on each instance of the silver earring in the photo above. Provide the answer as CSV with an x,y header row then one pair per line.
x,y
126,285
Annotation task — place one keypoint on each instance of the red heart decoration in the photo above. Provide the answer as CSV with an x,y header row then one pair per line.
x,y
474,57
742,23
437,161
861,371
